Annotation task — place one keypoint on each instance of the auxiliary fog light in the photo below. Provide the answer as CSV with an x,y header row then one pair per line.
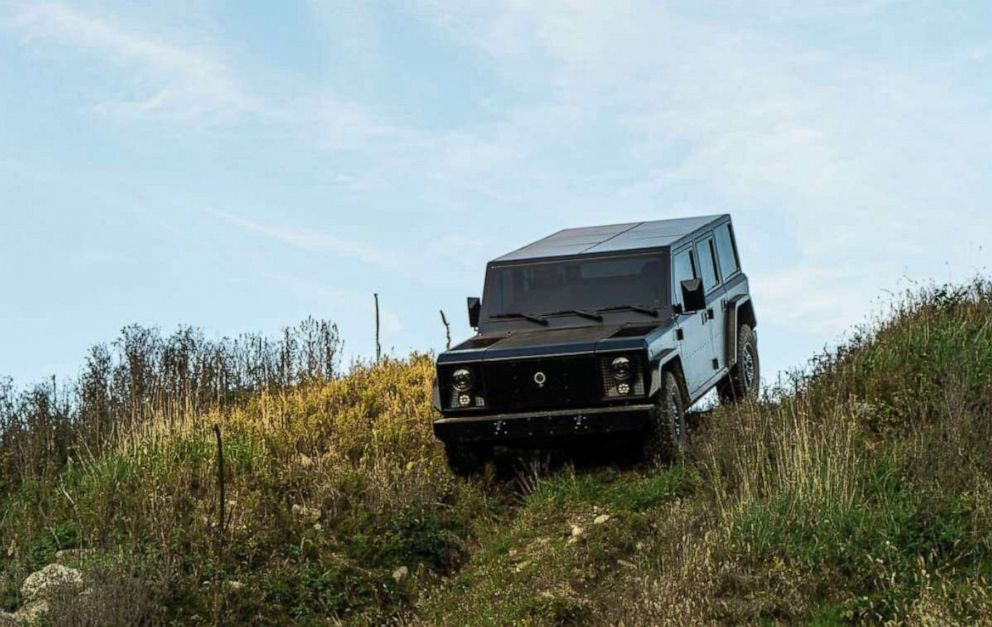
x,y
624,388
464,400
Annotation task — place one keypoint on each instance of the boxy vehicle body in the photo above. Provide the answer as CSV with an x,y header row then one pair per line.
x,y
604,330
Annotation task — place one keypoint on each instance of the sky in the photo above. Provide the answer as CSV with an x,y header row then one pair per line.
x,y
240,165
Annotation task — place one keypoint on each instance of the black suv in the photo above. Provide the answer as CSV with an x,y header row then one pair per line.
x,y
601,330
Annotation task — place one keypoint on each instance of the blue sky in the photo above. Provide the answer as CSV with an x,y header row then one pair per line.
x,y
241,165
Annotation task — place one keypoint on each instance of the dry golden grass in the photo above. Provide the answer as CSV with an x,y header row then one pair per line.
x,y
859,494
330,488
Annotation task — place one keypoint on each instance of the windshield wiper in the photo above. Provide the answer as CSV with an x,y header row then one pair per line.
x,y
648,311
526,316
585,313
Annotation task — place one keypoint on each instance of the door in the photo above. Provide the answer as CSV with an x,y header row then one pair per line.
x,y
716,314
734,286
696,344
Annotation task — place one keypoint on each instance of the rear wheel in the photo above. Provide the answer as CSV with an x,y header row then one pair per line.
x,y
666,437
466,459
745,377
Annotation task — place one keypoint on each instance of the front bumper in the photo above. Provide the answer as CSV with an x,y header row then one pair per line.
x,y
544,424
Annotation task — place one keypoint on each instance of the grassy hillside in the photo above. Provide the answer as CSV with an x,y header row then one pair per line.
x,y
862,492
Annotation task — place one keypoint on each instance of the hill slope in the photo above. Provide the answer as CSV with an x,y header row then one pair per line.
x,y
862,492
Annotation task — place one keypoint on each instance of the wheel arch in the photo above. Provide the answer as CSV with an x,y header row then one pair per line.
x,y
740,311
673,365
745,314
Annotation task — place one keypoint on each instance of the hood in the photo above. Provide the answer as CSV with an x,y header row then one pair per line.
x,y
546,342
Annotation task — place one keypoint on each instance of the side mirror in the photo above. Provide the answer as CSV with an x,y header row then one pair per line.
x,y
693,297
474,309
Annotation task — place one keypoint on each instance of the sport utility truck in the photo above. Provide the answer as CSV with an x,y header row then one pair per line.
x,y
600,331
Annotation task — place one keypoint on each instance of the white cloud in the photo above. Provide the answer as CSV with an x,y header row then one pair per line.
x,y
438,261
186,80
853,161
173,79
821,300
323,120
320,242
845,169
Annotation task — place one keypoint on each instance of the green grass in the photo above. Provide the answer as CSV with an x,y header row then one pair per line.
x,y
862,493
547,563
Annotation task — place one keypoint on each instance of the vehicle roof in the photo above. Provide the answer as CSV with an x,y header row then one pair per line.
x,y
613,238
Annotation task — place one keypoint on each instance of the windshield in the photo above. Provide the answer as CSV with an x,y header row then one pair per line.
x,y
588,284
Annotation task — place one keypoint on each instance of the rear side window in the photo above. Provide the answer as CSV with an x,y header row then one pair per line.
x,y
683,269
726,251
707,263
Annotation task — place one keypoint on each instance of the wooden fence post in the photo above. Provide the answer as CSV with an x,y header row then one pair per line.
x,y
220,483
378,346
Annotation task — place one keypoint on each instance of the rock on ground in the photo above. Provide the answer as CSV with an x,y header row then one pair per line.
x,y
46,581
32,613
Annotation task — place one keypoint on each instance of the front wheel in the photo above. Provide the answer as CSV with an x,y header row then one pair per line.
x,y
666,436
745,377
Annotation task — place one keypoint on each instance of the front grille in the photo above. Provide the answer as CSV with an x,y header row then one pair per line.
x,y
568,382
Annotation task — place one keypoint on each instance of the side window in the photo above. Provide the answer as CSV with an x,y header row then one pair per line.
x,y
707,263
683,269
726,251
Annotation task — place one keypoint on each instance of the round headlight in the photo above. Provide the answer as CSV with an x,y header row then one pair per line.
x,y
462,380
622,368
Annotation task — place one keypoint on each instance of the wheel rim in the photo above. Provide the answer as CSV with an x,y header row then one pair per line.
x,y
748,367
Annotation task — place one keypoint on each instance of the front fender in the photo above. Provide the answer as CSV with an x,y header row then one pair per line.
x,y
734,307
658,365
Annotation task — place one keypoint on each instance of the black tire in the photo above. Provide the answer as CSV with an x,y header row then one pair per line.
x,y
666,435
464,459
744,379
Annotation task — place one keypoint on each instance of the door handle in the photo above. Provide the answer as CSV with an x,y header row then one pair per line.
x,y
709,313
